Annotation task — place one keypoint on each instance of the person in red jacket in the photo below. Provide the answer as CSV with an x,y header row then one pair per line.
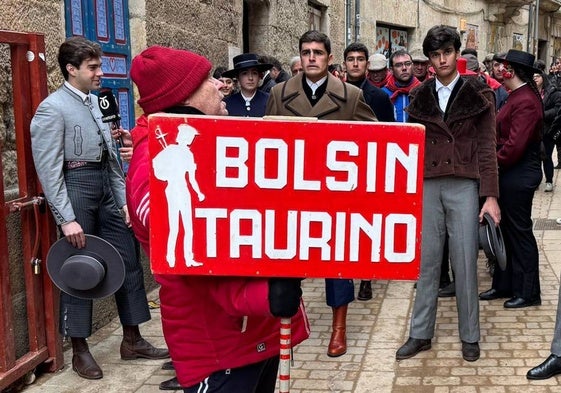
x,y
223,333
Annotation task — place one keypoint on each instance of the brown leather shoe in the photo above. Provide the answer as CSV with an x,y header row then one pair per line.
x,y
134,346
85,365
142,349
338,343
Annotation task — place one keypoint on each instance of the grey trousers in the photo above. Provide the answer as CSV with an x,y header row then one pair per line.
x,y
449,205
96,211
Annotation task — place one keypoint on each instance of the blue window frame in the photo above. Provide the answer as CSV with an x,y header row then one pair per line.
x,y
107,22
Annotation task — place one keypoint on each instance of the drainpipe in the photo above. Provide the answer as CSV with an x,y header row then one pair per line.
x,y
348,22
536,29
530,27
357,20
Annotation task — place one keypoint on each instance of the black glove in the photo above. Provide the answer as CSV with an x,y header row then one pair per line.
x,y
284,296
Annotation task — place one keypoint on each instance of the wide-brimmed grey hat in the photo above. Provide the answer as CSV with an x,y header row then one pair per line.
x,y
492,241
92,272
245,61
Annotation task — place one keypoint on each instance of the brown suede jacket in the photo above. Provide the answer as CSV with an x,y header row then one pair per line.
x,y
463,145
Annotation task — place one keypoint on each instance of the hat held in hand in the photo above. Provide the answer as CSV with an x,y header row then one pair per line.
x,y
93,272
492,241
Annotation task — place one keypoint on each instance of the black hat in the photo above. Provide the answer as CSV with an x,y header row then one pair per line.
x,y
519,58
245,61
491,240
92,272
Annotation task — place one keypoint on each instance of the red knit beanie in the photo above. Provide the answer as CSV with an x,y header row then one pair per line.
x,y
166,77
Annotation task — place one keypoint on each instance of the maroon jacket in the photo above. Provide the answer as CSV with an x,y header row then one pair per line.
x,y
519,125
209,323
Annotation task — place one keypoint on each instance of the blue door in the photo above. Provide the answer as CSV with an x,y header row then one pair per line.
x,y
107,22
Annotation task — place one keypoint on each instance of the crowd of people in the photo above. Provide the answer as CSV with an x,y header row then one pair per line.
x,y
483,156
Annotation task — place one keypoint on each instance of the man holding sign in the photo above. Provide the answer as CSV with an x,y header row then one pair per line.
x,y
317,93
222,332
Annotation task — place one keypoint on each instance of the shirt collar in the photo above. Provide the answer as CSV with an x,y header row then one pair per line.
x,y
316,84
84,97
450,86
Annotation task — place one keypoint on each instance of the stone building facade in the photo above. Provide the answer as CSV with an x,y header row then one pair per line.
x,y
220,29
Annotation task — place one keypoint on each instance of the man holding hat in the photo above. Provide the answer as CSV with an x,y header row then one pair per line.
x,y
223,333
378,73
520,127
460,168
249,101
77,166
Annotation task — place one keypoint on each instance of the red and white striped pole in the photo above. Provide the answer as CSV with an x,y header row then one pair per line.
x,y
284,364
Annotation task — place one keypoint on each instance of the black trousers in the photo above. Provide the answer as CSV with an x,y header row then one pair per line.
x,y
95,209
549,144
259,377
517,186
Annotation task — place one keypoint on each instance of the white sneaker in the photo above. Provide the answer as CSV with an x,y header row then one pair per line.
x,y
558,221
548,187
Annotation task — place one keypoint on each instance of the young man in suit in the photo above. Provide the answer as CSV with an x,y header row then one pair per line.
x,y
317,93
460,167
77,166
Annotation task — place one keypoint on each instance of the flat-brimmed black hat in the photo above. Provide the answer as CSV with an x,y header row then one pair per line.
x,y
519,58
491,240
245,61
92,272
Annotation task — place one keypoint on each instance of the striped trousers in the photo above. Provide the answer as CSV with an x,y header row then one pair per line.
x,y
95,209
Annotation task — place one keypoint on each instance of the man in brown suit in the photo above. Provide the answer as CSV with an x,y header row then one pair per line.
x,y
317,93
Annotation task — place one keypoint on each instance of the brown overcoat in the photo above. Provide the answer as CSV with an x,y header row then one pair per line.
x,y
341,101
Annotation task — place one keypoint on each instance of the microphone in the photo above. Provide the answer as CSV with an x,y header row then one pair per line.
x,y
110,110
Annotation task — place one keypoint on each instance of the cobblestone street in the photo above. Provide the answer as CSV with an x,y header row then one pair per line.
x,y
512,341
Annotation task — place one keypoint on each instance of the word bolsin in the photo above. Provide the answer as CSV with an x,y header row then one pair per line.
x,y
394,155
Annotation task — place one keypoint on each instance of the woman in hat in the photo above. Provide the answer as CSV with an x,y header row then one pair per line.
x,y
249,101
519,126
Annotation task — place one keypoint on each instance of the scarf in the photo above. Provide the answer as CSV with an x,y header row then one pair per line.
x,y
396,89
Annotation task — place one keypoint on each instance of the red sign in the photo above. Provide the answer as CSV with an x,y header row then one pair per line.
x,y
285,198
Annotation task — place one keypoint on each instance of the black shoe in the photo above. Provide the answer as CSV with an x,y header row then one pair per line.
x,y
448,291
550,367
492,294
171,384
412,347
168,366
518,302
470,351
365,290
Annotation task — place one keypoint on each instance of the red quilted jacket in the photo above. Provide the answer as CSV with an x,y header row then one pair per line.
x,y
209,323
